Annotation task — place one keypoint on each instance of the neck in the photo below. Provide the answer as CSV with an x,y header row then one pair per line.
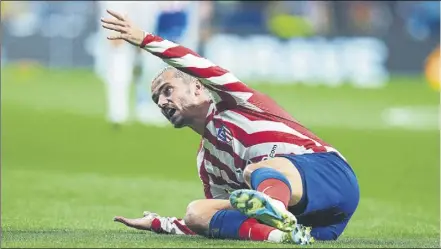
x,y
198,124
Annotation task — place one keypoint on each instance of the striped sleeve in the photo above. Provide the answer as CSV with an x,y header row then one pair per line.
x,y
223,85
170,225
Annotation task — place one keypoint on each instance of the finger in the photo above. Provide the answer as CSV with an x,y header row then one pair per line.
x,y
114,27
119,37
120,219
115,14
113,21
115,37
140,223
125,221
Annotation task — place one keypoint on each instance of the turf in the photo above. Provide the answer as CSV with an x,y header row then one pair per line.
x,y
66,173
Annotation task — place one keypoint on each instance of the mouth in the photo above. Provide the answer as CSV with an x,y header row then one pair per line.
x,y
169,112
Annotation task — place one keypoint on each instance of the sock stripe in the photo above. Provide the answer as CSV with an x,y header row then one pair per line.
x,y
265,189
261,174
251,229
272,183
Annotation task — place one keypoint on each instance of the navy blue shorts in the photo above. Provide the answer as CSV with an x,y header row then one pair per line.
x,y
330,193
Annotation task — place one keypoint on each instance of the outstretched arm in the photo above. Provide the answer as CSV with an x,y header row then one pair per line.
x,y
223,84
191,63
155,223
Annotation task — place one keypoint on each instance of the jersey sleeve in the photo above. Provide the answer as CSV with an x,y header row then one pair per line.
x,y
222,84
170,225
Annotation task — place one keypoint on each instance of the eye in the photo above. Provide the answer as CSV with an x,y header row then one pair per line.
x,y
167,91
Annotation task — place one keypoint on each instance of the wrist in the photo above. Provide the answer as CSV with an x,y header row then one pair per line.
x,y
146,38
156,225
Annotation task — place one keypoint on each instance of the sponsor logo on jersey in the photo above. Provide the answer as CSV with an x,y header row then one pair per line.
x,y
271,154
273,151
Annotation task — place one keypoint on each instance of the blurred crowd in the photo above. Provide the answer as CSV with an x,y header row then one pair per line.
x,y
282,18
332,42
64,33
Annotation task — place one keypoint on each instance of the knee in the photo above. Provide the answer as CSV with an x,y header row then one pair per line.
x,y
193,217
266,170
278,166
191,214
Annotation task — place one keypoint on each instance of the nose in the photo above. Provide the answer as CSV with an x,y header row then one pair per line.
x,y
162,101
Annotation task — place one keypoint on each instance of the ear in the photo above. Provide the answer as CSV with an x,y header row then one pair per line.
x,y
199,88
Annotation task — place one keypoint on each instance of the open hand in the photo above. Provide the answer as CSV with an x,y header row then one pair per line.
x,y
144,223
126,29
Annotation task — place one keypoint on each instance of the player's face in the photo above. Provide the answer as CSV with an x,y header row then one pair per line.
x,y
177,99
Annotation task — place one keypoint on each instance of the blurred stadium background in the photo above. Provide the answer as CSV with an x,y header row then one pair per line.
x,y
364,75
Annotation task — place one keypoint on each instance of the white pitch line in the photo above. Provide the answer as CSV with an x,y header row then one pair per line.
x,y
413,117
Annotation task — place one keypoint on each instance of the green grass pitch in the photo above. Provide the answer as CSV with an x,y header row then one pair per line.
x,y
65,173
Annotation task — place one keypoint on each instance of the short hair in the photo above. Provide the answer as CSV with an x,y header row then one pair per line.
x,y
177,74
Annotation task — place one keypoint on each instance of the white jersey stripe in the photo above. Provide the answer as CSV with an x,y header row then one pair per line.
x,y
160,47
279,148
330,149
251,127
215,97
219,191
226,78
218,172
198,62
200,159
222,156
210,110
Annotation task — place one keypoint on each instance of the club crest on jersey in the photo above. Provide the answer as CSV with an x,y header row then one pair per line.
x,y
224,134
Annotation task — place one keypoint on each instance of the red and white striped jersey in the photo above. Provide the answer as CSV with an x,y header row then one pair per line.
x,y
242,125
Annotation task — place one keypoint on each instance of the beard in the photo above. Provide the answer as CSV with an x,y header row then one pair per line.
x,y
178,120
